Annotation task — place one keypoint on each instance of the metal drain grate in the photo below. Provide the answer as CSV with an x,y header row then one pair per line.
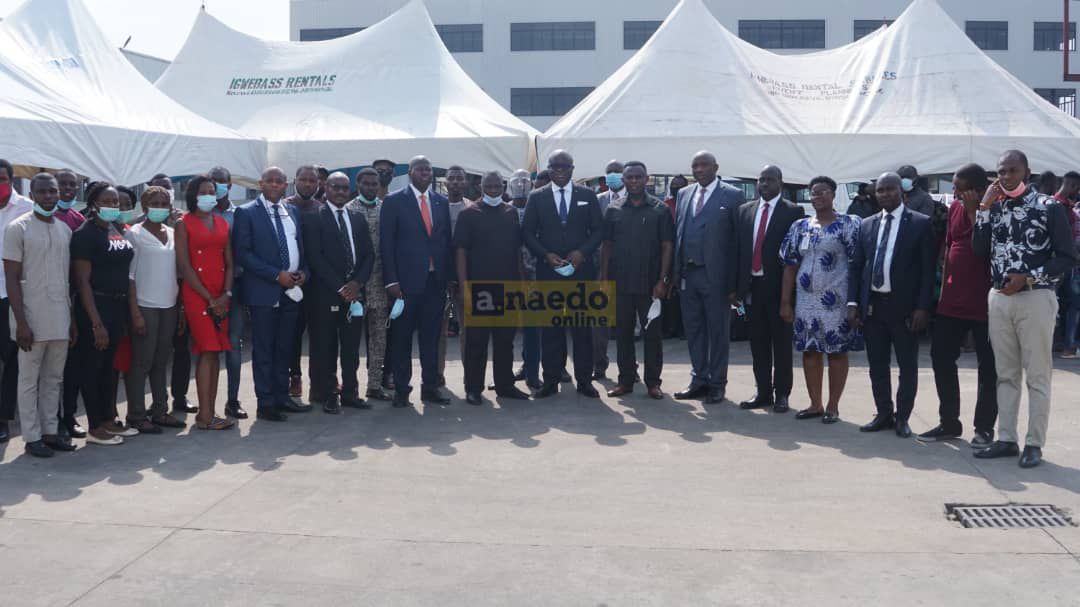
x,y
1008,516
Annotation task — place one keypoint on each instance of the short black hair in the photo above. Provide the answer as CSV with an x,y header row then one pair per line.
x,y
307,167
94,191
974,176
324,173
156,177
823,179
4,164
1072,175
636,163
366,171
455,167
1022,156
123,189
191,196
221,169
544,174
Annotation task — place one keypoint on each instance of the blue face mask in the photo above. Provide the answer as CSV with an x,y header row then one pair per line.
x,y
614,181
566,270
907,184
157,215
397,309
206,202
126,217
493,201
43,212
65,204
108,214
356,309
222,190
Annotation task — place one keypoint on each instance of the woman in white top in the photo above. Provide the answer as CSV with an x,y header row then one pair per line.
x,y
152,292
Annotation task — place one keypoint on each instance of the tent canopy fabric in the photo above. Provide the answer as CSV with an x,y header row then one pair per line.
x,y
389,91
918,92
69,98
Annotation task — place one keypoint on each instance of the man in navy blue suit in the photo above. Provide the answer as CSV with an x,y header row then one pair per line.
x,y
889,289
267,244
417,261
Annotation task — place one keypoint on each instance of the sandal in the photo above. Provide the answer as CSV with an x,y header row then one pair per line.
x,y
809,413
216,424
144,426
830,418
168,421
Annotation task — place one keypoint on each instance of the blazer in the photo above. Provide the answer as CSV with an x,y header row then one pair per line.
x,y
781,217
911,275
405,246
255,248
544,232
326,252
721,241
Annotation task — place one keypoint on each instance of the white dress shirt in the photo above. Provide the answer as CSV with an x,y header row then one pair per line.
x,y
348,225
416,194
568,190
897,213
771,204
16,207
709,189
290,231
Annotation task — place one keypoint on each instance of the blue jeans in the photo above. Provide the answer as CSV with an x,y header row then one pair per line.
x,y
1072,311
530,352
233,358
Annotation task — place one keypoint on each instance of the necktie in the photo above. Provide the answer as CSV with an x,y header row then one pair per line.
x,y
282,244
563,210
700,201
759,241
344,233
879,260
425,212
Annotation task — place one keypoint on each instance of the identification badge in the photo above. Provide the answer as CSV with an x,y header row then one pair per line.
x,y
804,244
682,285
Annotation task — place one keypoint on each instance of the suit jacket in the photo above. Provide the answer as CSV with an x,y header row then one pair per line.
x,y
255,248
543,231
405,245
326,252
781,217
721,241
911,275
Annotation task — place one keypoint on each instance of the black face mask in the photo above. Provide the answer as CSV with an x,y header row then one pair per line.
x,y
385,177
675,191
320,193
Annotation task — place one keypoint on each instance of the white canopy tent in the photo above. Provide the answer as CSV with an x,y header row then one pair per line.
x,y
918,92
69,98
389,91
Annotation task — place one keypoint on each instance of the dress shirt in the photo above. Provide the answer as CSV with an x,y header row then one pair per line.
x,y
897,213
567,189
757,224
348,226
153,268
290,231
416,194
709,189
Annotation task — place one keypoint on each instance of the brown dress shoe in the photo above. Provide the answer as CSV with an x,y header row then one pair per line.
x,y
620,390
656,392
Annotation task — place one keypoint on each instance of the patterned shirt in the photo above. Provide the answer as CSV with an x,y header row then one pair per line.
x,y
1027,235
374,290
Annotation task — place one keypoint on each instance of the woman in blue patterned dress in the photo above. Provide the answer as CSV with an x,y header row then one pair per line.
x,y
817,251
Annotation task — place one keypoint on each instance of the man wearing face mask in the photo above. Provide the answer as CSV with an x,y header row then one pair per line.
x,y
456,182
488,243
69,188
376,303
613,197
305,201
918,200
12,206
519,187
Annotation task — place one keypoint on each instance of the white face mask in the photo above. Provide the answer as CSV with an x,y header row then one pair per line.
x,y
492,201
654,312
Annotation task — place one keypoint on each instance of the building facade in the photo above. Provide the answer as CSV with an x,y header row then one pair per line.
x,y
539,59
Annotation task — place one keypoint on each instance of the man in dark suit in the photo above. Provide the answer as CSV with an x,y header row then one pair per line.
x,y
417,257
563,226
706,254
889,291
761,227
339,250
268,246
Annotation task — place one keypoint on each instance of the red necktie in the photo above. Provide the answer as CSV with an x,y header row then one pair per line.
x,y
425,213
759,242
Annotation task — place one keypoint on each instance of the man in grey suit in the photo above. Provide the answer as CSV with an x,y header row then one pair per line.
x,y
613,197
705,265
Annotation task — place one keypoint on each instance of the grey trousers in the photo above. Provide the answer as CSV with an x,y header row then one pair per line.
x,y
41,372
150,358
1022,336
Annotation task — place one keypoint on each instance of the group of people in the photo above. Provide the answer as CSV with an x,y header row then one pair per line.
x,y
95,296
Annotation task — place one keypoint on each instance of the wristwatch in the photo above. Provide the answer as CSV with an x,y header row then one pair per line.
x,y
228,293
666,280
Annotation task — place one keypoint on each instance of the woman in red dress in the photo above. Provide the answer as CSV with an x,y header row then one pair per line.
x,y
204,260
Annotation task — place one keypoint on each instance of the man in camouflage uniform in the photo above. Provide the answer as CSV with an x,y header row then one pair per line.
x,y
377,304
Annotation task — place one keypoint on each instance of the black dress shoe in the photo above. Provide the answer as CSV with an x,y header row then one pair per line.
x,y
564,377
715,397
535,384
72,428
512,393
880,422
937,433
999,449
181,405
401,400
692,391
474,398
781,405
5,434
1032,457
599,374
332,406
271,415
379,394
234,410
757,402
903,430
354,402
434,395
38,448
588,391
292,406
548,389
58,444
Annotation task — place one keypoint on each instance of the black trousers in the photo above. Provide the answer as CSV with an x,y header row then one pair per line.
x,y
332,337
886,333
93,375
298,343
671,315
181,364
946,341
9,360
630,310
770,343
423,316
476,356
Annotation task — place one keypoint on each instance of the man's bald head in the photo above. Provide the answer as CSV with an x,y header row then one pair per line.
x,y
889,192
704,167
338,186
420,173
273,183
770,182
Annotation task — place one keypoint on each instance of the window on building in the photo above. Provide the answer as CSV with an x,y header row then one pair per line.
x,y
989,35
326,33
551,101
636,33
784,33
558,36
1048,36
1063,99
464,38
865,27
